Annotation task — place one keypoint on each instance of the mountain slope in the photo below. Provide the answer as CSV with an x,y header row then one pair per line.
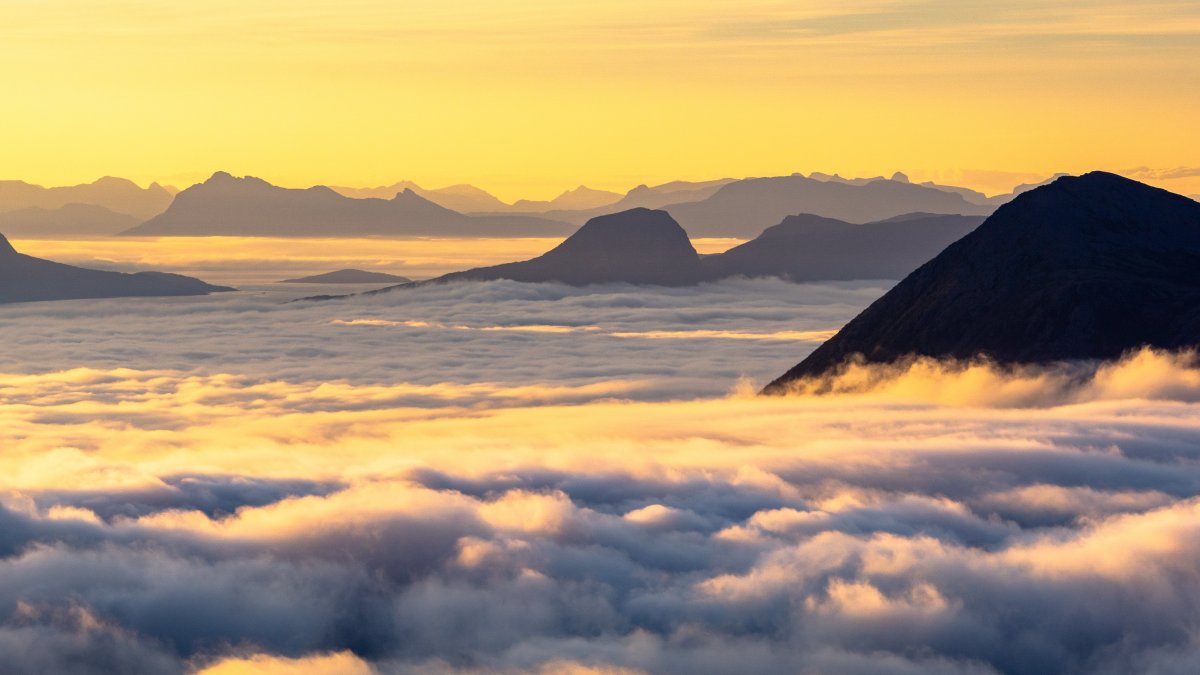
x,y
27,279
228,206
1084,268
811,248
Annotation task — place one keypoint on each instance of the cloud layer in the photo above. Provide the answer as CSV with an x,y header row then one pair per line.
x,y
268,510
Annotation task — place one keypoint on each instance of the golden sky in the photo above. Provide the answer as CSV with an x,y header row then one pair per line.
x,y
529,97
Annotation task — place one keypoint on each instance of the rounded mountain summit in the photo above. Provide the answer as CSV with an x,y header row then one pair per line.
x,y
638,246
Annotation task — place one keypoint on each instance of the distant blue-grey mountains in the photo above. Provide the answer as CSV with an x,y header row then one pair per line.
x,y
24,278
250,207
229,206
116,195
225,205
1085,268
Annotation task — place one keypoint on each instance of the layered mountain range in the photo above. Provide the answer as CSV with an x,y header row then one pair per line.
x,y
225,205
646,246
248,206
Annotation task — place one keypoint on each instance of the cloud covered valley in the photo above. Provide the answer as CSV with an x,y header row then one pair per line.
x,y
500,477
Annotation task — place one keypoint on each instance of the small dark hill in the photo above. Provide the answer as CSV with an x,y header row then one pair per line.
x,y
1086,267
349,276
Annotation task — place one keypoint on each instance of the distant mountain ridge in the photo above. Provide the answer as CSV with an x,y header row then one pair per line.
x,y
1086,267
580,198
72,220
115,194
228,206
24,278
744,208
462,197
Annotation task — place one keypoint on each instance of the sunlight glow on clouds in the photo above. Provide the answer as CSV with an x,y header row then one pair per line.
x,y
330,514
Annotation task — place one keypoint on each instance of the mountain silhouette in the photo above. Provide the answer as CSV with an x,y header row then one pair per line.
x,y
27,279
228,206
1086,267
744,208
349,276
581,198
640,197
639,246
462,197
811,248
115,194
72,220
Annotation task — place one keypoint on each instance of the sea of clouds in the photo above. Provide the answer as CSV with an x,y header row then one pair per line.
x,y
500,477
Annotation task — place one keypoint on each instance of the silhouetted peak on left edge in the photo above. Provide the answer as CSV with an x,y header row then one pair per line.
x,y
24,278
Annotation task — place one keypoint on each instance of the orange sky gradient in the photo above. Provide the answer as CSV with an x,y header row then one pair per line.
x,y
530,97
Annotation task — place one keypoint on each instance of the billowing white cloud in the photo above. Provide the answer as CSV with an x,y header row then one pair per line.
x,y
403,495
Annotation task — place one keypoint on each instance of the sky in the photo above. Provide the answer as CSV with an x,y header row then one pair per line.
x,y
530,97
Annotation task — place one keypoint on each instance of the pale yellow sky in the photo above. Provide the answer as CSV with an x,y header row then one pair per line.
x,y
529,97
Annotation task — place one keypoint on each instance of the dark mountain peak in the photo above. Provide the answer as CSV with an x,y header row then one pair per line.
x,y
900,177
638,246
6,249
1099,210
630,230
1085,267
